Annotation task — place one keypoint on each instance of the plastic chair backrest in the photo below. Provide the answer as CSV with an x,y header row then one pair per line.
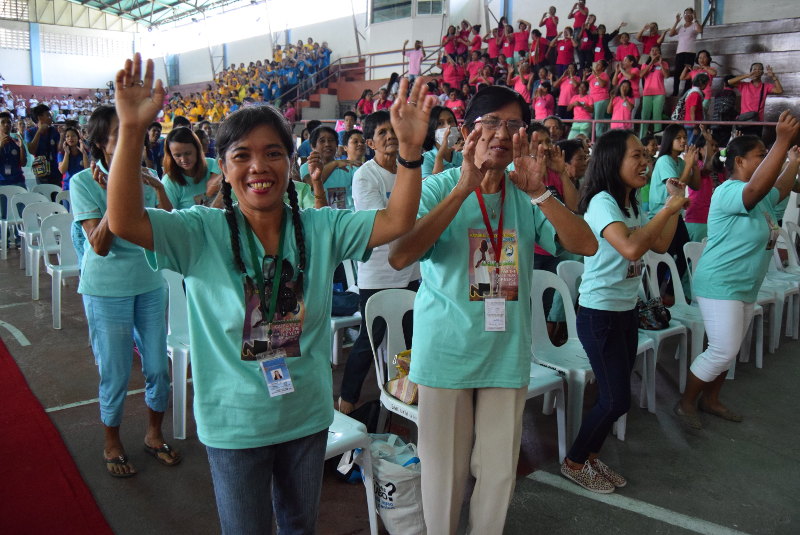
x,y
571,272
391,305
23,199
177,316
794,231
56,236
693,250
48,190
791,252
541,280
34,213
350,274
652,260
6,194
63,197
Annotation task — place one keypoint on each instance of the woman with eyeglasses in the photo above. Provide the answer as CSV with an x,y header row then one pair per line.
x,y
248,269
472,389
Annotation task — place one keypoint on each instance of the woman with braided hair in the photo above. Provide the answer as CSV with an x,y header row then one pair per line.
x,y
259,284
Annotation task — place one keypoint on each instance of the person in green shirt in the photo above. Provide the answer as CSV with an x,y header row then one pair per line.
x,y
189,177
248,269
472,388
440,152
337,175
742,233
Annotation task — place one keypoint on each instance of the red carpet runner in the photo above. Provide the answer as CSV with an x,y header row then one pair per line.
x,y
41,490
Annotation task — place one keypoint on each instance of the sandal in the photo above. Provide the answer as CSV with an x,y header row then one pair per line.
x,y
691,420
122,460
725,414
174,456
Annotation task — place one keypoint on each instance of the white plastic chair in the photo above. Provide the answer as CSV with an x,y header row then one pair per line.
x,y
32,217
8,223
794,232
56,237
15,213
346,434
391,305
178,349
548,383
692,251
48,190
340,323
787,285
63,199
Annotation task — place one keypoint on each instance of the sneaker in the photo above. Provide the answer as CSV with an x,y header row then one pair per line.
x,y
613,477
588,478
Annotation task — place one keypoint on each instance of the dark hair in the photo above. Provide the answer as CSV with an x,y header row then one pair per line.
x,y
236,126
536,126
647,139
707,53
433,124
556,118
5,115
156,124
97,130
180,121
40,109
632,59
492,98
348,113
739,147
392,79
171,167
700,79
350,133
536,33
374,120
570,148
313,123
603,171
669,135
318,131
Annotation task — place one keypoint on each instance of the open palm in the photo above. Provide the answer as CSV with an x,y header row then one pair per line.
x,y
137,101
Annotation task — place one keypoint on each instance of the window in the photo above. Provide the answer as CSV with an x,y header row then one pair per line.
x,y
385,10
429,7
15,39
14,9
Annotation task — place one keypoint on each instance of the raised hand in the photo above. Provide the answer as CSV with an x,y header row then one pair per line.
x,y
529,171
150,180
137,101
99,176
410,113
787,128
677,18
556,159
676,203
314,166
794,154
675,188
690,156
471,173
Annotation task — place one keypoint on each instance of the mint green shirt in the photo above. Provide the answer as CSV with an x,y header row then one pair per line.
x,y
338,187
429,159
123,272
735,259
452,349
183,197
610,281
232,405
666,167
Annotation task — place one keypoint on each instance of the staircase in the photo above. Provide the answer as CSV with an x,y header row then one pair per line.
x,y
323,102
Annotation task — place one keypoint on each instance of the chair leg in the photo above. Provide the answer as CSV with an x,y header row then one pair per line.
x,y
759,326
35,275
382,416
620,426
561,422
56,298
365,462
337,346
650,361
180,365
3,240
576,383
23,252
547,403
796,318
682,363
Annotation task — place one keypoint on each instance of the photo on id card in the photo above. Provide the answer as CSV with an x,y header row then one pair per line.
x,y
286,329
482,267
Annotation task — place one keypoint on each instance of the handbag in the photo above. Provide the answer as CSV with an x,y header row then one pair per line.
x,y
398,490
401,386
753,115
653,315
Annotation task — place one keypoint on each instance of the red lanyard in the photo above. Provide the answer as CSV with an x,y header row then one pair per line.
x,y
495,240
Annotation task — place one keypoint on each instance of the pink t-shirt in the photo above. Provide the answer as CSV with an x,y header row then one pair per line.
x,y
453,74
565,51
457,106
751,94
520,41
521,87
654,80
538,50
700,200
365,107
569,88
449,42
414,61
385,105
626,50
508,46
707,92
634,80
580,17
476,43
597,91
578,112
543,106
551,27
474,67
587,39
494,48
648,41
693,99
463,34
621,110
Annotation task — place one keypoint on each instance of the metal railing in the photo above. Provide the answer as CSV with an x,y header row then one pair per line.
x,y
733,124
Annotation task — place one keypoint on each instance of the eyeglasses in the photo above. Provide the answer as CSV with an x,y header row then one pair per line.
x,y
287,298
493,123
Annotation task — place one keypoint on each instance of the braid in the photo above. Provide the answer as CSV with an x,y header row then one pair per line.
x,y
298,235
233,226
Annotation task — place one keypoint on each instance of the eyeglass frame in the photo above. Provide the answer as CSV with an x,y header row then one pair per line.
x,y
500,124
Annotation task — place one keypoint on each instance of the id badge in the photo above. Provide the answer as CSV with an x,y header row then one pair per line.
x,y
494,314
276,374
597,49
561,47
7,171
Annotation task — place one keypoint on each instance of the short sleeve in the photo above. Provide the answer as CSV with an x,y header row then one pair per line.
x,y
213,166
83,199
603,210
545,232
179,238
434,190
60,157
666,168
728,197
367,191
350,231
303,170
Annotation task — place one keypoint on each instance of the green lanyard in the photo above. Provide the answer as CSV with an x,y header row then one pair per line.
x,y
267,313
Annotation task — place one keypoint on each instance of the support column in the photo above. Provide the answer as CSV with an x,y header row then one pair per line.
x,y
36,53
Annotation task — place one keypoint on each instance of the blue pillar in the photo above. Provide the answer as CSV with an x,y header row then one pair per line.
x,y
224,56
36,54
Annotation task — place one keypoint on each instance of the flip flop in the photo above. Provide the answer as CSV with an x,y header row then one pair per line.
x,y
166,449
122,460
725,414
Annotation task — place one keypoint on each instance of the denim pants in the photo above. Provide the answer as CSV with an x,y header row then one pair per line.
x,y
610,340
251,483
360,357
114,324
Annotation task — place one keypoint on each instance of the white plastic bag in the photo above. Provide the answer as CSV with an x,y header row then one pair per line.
x,y
398,491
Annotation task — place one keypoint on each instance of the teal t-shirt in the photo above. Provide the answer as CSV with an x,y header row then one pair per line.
x,y
123,272
740,242
452,349
666,167
338,187
183,197
305,196
232,405
610,281
429,159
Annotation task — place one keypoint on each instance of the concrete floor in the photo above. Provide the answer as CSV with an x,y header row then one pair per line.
x,y
728,478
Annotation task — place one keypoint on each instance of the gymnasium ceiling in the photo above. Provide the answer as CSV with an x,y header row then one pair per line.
x,y
158,12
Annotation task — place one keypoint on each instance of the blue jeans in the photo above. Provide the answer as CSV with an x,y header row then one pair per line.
x,y
244,481
610,340
114,324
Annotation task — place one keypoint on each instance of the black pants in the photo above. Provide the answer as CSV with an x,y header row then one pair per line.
x,y
681,60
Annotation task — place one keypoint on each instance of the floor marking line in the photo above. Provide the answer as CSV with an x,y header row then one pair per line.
x,y
14,304
23,341
636,506
94,400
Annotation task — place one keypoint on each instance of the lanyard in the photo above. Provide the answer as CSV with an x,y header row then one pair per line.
x,y
498,241
267,313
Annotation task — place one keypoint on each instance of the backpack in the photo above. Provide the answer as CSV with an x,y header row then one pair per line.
x,y
680,108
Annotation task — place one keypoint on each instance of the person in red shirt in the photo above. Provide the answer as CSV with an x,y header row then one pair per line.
x,y
521,41
483,78
475,65
501,69
579,12
383,102
754,93
476,42
452,72
693,105
455,104
550,23
493,42
365,105
653,37
587,37
621,105
538,50
625,47
462,47
450,41
507,47
522,82
565,48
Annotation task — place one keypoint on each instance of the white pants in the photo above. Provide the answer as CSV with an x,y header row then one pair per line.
x,y
462,431
726,324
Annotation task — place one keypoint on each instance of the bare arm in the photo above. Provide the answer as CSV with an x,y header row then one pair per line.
x,y
656,235
98,234
777,88
787,182
763,180
63,165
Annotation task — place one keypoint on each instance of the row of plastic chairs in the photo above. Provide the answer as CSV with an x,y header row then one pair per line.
x,y
12,197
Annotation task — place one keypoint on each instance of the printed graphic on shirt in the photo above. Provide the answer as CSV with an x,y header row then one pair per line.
x,y
483,281
286,328
337,198
774,231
